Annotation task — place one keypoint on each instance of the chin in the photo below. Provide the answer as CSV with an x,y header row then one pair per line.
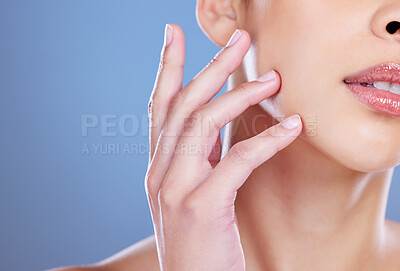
x,y
362,145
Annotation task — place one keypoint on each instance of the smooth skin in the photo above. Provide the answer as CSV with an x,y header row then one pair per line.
x,y
310,198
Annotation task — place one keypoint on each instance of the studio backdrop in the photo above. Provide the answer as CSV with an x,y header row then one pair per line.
x,y
75,80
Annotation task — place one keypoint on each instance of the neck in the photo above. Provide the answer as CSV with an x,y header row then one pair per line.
x,y
301,206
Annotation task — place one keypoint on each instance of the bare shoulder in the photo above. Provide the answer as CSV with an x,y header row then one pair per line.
x,y
141,256
394,231
393,245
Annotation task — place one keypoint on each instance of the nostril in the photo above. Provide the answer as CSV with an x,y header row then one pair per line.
x,y
392,27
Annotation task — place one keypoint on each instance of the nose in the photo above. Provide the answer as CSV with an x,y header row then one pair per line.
x,y
385,23
393,27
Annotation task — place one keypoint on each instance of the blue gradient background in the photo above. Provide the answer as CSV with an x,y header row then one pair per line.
x,y
60,60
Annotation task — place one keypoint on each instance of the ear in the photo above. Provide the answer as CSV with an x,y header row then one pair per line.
x,y
218,19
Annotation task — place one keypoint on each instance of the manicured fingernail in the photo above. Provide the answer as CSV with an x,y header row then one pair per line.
x,y
291,122
268,76
168,35
235,37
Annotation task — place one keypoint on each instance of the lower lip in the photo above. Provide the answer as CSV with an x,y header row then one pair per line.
x,y
380,100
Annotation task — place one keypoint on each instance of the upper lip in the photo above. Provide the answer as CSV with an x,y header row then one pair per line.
x,y
384,72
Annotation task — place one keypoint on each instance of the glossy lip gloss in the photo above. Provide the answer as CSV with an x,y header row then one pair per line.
x,y
380,100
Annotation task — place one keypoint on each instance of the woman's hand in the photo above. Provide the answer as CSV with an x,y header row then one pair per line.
x,y
191,192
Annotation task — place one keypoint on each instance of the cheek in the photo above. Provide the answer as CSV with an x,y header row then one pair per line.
x,y
312,64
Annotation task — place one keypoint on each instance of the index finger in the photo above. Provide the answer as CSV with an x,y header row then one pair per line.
x,y
168,81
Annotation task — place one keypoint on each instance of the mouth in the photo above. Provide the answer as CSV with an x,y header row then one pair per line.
x,y
382,85
378,87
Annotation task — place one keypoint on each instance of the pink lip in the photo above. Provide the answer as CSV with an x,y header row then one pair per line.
x,y
380,100
388,72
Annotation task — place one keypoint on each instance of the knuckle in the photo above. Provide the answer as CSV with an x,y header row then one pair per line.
x,y
195,119
193,207
163,61
216,59
150,187
271,132
243,89
153,105
168,199
201,118
218,62
176,101
240,152
150,106
274,139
